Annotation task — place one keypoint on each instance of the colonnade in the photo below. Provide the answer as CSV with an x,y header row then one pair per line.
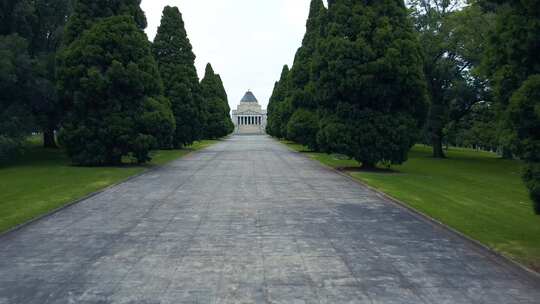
x,y
250,120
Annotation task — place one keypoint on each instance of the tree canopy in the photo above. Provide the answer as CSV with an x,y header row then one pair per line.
x,y
88,12
357,85
218,121
371,87
513,64
113,89
303,124
16,87
452,39
278,106
31,31
176,63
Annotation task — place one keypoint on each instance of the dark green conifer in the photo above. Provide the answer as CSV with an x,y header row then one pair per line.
x,y
113,95
88,12
278,106
222,93
370,83
218,120
303,124
176,61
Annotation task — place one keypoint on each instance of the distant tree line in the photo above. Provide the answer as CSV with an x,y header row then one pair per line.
x,y
84,74
372,78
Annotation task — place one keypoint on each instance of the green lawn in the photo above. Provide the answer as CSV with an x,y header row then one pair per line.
x,y
42,180
476,193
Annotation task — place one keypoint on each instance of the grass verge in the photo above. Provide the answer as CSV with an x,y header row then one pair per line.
x,y
476,193
42,180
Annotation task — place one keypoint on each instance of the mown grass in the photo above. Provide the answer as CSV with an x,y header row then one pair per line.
x,y
474,192
42,180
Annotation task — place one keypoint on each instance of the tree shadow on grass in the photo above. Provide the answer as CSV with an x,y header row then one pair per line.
x,y
356,169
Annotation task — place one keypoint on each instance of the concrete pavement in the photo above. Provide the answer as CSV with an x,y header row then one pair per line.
x,y
248,221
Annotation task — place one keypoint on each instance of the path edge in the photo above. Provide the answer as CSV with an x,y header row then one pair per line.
x,y
91,195
494,255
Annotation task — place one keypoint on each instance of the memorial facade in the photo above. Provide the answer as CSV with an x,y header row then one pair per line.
x,y
249,117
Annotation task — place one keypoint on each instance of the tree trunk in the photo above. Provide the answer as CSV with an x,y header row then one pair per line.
x,y
48,139
437,143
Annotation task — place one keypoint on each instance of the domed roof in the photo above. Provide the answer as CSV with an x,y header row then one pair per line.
x,y
249,97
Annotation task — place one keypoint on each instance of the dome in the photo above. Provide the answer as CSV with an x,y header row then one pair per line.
x,y
249,97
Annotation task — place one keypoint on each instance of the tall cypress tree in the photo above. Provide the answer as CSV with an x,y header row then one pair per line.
x,y
218,121
371,85
176,62
222,93
87,12
111,87
303,124
278,105
514,66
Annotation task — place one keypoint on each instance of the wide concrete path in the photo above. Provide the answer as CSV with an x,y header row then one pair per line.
x,y
248,221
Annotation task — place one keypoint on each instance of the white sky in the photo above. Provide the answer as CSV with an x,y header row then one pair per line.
x,y
247,41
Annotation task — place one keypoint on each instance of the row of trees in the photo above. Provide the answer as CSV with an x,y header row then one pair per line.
x,y
356,86
88,70
372,78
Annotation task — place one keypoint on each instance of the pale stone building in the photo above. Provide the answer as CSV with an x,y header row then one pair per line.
x,y
249,117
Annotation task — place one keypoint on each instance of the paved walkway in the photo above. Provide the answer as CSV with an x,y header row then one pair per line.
x,y
248,221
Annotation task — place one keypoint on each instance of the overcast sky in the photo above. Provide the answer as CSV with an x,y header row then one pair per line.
x,y
247,41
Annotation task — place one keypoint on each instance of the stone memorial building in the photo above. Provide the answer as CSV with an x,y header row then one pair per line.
x,y
249,117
